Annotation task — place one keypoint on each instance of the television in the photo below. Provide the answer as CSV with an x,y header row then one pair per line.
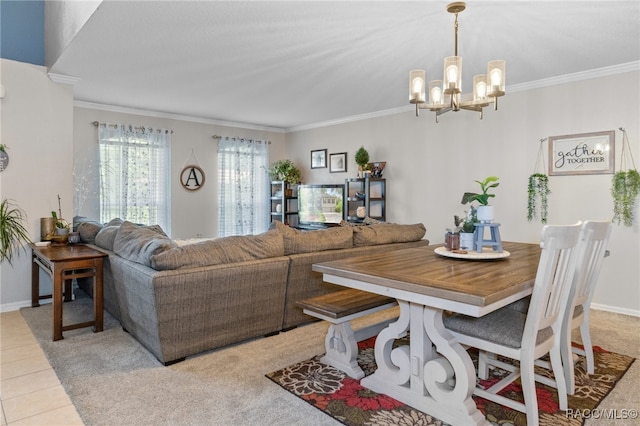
x,y
320,206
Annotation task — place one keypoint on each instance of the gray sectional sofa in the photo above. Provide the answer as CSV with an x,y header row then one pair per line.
x,y
180,298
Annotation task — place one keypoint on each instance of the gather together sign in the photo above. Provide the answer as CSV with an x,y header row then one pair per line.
x,y
586,153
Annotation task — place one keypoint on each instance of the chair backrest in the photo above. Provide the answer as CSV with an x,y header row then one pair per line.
x,y
594,240
554,278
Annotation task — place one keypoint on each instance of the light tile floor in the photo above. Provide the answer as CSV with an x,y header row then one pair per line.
x,y
30,391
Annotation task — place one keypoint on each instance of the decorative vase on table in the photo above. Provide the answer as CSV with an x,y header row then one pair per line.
x,y
485,214
466,240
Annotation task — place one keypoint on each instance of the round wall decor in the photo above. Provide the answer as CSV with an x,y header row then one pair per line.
x,y
192,177
4,160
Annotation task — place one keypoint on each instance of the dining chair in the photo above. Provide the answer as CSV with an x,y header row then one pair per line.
x,y
527,337
593,242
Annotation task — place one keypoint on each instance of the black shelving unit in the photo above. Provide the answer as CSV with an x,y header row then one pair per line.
x,y
368,193
284,195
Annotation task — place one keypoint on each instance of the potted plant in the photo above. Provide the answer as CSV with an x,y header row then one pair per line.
x,y
362,160
62,226
538,188
484,211
625,187
285,170
13,233
466,227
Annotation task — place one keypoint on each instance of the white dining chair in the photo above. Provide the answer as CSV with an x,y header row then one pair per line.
x,y
527,337
593,242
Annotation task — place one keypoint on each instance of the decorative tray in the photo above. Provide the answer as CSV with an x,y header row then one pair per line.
x,y
487,254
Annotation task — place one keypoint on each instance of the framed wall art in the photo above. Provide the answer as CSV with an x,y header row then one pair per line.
x,y
582,154
338,162
319,159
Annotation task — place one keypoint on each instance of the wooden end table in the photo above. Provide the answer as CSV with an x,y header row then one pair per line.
x,y
63,263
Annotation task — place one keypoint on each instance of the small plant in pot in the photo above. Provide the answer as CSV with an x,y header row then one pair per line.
x,y
466,227
13,233
362,160
485,211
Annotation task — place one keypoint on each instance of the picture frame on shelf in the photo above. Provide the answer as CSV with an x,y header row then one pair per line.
x,y
338,162
319,159
582,154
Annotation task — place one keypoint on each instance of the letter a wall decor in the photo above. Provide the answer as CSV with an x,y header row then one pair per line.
x,y
192,177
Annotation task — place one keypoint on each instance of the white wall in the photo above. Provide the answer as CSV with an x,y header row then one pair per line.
x,y
194,213
37,126
430,166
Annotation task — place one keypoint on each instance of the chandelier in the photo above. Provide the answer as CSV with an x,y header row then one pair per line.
x,y
446,95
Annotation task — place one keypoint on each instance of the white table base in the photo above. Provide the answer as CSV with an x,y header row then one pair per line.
x,y
433,374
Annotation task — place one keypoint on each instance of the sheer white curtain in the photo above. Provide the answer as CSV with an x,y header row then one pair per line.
x,y
243,195
135,168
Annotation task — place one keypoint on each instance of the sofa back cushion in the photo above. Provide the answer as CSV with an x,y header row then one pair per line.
x,y
220,251
139,243
320,240
387,233
87,228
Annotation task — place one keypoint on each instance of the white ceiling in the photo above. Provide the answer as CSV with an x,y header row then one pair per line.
x,y
293,64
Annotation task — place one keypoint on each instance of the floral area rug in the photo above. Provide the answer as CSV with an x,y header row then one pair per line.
x,y
344,399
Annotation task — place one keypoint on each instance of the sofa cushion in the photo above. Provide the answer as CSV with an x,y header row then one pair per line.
x,y
88,230
387,233
106,236
138,243
319,240
220,251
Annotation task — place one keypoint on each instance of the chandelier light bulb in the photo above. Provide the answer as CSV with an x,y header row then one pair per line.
x,y
496,78
436,95
417,87
452,76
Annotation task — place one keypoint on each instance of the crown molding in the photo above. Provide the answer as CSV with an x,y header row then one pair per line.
x,y
578,76
158,114
63,79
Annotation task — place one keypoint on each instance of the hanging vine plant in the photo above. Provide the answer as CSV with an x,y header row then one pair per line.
x,y
538,189
625,187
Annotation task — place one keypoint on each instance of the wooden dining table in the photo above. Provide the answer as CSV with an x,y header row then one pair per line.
x,y
434,373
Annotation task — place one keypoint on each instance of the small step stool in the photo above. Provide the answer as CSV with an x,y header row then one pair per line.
x,y
478,238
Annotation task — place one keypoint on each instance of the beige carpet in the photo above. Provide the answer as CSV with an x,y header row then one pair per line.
x,y
113,380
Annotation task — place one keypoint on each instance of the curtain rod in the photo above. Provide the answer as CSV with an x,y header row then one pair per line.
x,y
115,126
268,142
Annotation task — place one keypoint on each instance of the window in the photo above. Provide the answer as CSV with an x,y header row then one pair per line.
x,y
135,164
243,200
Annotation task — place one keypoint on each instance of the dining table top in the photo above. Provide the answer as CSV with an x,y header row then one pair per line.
x,y
430,276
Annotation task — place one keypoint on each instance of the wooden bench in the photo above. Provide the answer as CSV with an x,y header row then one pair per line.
x,y
339,308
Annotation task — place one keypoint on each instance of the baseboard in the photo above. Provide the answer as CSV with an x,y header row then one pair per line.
x,y
14,306
615,309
